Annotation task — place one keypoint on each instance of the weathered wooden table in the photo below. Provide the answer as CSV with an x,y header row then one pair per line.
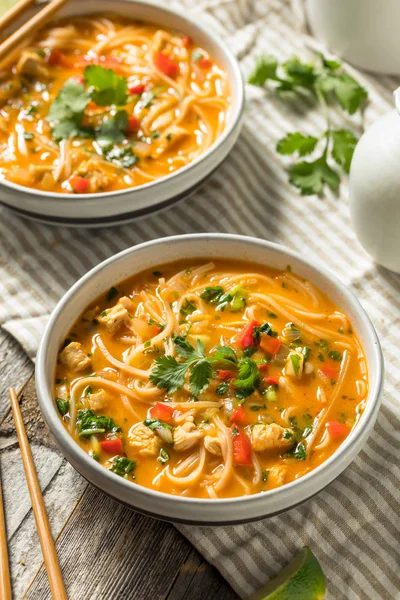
x,y
105,549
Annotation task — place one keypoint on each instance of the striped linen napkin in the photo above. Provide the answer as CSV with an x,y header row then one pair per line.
x,y
353,525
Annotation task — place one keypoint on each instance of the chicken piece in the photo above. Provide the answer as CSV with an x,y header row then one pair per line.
x,y
32,65
9,89
171,137
142,439
113,318
91,314
277,475
3,125
185,436
270,437
295,363
98,400
98,179
213,445
74,358
38,171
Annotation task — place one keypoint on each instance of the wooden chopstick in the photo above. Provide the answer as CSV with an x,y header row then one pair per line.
x,y
42,523
14,13
5,581
30,26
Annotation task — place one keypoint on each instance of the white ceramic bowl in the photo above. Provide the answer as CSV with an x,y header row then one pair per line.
x,y
111,208
208,246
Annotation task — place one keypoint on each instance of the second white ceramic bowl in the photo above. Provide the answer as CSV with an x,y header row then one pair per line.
x,y
112,208
208,246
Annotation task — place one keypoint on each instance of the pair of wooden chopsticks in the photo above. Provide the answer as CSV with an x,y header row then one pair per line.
x,y
42,523
30,26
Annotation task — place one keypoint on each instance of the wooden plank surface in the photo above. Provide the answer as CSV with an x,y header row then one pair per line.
x,y
106,550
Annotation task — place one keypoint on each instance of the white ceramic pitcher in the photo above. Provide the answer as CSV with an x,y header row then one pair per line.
x,y
375,189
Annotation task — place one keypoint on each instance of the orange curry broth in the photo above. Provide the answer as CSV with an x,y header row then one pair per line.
x,y
295,408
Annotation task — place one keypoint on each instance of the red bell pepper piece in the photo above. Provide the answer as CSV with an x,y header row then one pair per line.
x,y
224,374
270,344
113,446
205,63
239,416
263,367
241,447
186,41
330,370
58,58
336,429
163,412
79,184
166,65
136,90
245,338
273,380
133,124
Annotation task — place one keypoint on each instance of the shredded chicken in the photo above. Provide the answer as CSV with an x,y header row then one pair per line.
x,y
213,445
98,179
116,316
32,65
142,439
170,138
98,400
270,437
74,358
91,313
277,475
186,436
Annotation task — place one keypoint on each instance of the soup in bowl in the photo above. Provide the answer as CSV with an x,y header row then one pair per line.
x,y
211,380
98,104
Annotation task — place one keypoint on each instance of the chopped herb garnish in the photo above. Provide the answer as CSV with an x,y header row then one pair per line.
x,y
89,423
334,355
157,274
147,344
196,55
264,476
156,424
88,390
300,452
112,292
235,432
63,406
223,388
28,136
188,308
123,466
272,315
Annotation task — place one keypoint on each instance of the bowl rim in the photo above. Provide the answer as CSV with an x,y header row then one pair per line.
x,y
237,93
63,438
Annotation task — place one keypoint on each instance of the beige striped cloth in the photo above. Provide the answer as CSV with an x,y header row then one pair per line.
x,y
353,526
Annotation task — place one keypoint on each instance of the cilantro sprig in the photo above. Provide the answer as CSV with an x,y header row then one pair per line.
x,y
105,88
168,373
328,84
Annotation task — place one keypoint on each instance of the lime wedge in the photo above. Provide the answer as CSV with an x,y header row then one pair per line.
x,y
302,579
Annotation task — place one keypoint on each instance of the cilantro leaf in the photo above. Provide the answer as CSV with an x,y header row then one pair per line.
x,y
330,64
70,101
108,87
248,378
344,143
300,73
297,142
266,67
200,376
111,129
348,92
167,373
63,406
300,452
224,354
310,177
